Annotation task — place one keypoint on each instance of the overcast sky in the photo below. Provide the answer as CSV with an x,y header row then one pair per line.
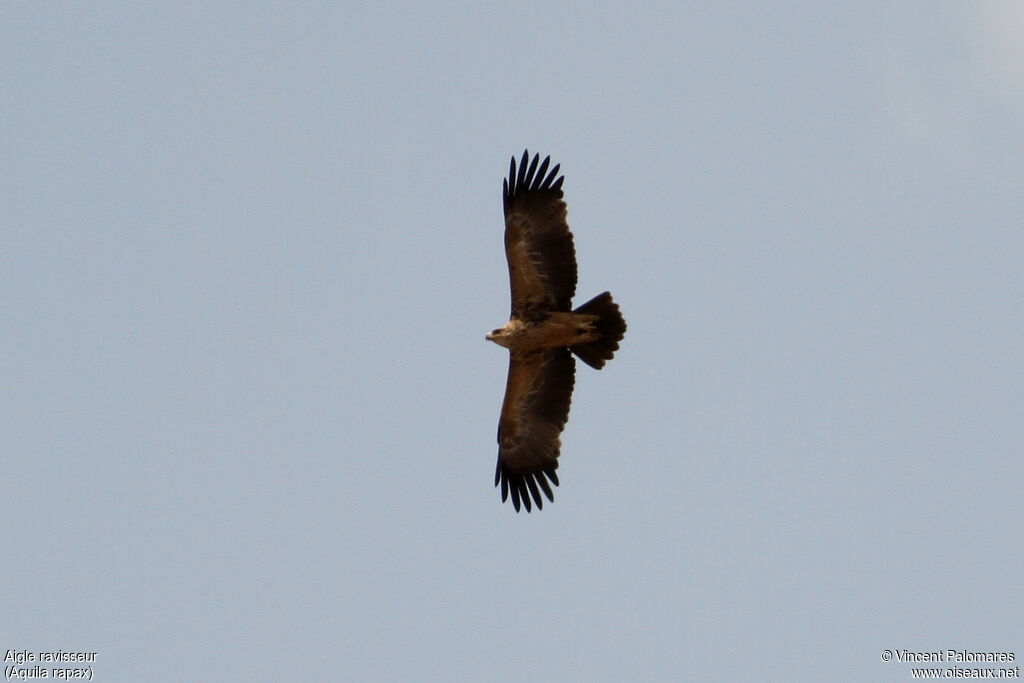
x,y
249,254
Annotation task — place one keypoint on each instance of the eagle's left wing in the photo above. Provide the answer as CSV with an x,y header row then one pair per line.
x,y
538,244
535,410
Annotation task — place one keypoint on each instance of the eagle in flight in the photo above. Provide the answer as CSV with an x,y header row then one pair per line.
x,y
543,332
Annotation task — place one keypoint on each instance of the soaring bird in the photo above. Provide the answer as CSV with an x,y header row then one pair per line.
x,y
543,332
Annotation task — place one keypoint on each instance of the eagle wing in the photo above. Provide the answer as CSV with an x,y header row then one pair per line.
x,y
538,244
534,412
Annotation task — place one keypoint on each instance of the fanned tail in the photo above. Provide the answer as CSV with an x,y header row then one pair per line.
x,y
610,326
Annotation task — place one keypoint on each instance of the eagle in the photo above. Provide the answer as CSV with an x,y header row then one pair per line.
x,y
543,333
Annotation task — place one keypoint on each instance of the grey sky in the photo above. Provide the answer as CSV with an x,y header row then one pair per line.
x,y
248,256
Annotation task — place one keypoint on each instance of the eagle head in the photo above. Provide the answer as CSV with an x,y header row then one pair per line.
x,y
503,335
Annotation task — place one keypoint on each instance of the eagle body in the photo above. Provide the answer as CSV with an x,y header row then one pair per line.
x,y
543,333
556,330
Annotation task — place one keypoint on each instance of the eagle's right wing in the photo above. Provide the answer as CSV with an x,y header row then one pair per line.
x,y
534,412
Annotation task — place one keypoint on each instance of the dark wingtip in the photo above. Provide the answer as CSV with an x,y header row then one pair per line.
x,y
533,169
544,485
525,495
542,170
534,492
521,178
546,183
526,174
526,490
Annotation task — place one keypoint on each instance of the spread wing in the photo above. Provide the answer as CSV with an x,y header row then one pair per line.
x,y
538,244
535,410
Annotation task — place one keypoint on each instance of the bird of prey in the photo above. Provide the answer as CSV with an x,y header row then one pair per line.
x,y
543,332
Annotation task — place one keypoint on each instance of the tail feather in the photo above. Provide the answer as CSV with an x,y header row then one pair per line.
x,y
610,326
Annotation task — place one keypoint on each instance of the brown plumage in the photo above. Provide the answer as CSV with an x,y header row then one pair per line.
x,y
543,332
